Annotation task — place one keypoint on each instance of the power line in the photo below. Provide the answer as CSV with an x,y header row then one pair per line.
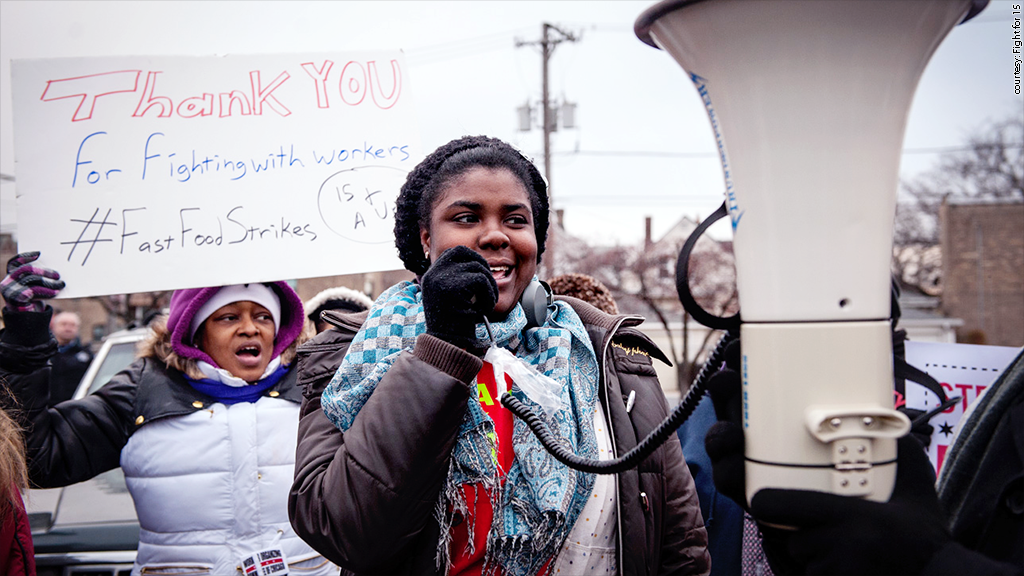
x,y
636,153
703,155
461,48
676,199
423,57
944,149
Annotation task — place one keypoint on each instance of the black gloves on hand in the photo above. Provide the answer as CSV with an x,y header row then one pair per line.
x,y
458,290
26,286
834,534
724,440
845,535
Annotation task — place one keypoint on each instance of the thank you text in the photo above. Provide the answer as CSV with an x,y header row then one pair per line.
x,y
153,173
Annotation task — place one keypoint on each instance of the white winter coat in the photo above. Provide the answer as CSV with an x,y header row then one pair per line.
x,y
241,459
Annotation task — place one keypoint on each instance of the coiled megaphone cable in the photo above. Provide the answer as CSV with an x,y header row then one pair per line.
x,y
699,387
648,445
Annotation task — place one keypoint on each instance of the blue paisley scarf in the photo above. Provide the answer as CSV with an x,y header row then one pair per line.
x,y
541,498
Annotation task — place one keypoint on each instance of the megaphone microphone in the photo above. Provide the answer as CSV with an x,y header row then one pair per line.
x,y
808,103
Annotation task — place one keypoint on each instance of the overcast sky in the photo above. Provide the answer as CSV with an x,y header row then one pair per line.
x,y
642,146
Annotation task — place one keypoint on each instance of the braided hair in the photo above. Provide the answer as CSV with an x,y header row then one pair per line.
x,y
444,165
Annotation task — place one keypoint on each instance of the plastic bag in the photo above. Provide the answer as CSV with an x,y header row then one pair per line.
x,y
539,388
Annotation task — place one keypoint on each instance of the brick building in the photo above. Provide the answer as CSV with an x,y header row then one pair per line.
x,y
983,268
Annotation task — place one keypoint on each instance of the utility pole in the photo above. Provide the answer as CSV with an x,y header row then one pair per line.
x,y
551,36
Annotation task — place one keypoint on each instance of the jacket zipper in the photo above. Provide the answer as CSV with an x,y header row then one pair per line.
x,y
611,432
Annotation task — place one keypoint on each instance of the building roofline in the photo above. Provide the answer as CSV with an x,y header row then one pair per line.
x,y
970,201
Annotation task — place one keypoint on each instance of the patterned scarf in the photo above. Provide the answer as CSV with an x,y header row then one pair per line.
x,y
541,498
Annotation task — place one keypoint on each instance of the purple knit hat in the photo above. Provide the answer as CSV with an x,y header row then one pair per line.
x,y
185,303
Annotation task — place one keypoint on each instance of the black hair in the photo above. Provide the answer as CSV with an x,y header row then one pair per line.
x,y
444,165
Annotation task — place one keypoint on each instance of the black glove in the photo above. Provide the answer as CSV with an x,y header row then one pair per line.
x,y
724,440
846,535
26,286
458,290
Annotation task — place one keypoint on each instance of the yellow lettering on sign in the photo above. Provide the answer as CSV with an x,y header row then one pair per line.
x,y
485,396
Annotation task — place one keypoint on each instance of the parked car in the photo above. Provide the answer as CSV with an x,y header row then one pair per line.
x,y
89,528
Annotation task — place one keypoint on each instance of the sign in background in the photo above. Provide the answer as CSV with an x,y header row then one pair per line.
x,y
154,173
964,370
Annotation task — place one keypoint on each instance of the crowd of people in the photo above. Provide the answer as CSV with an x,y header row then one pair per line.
x,y
362,436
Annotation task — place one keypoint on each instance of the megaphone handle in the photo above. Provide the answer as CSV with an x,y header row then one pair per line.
x,y
683,279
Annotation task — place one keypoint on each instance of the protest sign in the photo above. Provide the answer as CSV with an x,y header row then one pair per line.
x,y
152,173
964,370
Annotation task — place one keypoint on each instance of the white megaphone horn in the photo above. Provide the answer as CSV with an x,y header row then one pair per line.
x,y
808,102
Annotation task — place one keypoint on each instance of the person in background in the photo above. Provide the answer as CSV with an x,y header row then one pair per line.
x,y
17,557
337,298
973,524
981,485
72,359
586,288
203,423
407,464
733,538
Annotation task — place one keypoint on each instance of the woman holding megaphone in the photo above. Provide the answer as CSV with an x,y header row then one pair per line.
x,y
412,466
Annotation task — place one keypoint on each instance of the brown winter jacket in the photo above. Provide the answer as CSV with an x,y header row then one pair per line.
x,y
365,498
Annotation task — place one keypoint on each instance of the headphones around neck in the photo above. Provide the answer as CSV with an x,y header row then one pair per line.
x,y
535,301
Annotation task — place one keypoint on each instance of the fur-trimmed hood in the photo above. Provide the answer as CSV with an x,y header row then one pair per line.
x,y
346,298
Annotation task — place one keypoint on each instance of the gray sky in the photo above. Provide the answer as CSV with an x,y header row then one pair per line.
x,y
643,145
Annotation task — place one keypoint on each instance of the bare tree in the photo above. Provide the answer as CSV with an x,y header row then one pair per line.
x,y
642,279
130,310
712,275
990,166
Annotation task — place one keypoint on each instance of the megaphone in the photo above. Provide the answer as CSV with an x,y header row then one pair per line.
x,y
808,103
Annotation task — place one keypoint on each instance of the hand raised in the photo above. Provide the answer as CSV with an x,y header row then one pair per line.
x,y
458,290
26,286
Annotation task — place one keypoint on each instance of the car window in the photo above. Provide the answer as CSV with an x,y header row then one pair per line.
x,y
118,358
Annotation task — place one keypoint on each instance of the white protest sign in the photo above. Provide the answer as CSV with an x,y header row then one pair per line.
x,y
964,370
152,173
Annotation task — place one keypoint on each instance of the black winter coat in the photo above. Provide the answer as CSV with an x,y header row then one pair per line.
x,y
103,422
365,498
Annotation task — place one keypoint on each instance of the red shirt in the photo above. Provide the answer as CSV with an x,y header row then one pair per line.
x,y
483,513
